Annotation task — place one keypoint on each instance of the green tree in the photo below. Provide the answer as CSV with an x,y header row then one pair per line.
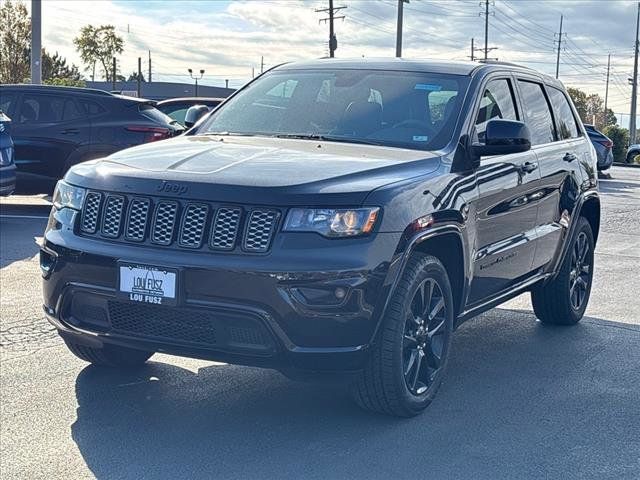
x,y
591,108
134,77
55,67
620,138
98,45
15,41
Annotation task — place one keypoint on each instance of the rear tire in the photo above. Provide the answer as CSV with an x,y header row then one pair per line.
x,y
408,360
564,300
109,355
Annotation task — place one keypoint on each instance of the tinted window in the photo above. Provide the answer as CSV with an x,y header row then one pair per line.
x,y
6,102
567,127
152,113
497,102
405,109
48,109
536,112
91,108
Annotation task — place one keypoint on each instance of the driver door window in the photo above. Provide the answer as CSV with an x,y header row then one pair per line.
x,y
496,103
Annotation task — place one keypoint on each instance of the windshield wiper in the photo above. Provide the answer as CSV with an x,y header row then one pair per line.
x,y
230,134
327,138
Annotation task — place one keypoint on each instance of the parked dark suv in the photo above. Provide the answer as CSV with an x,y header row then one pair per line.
x,y
56,127
332,216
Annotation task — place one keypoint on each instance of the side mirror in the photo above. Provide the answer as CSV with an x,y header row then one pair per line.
x,y
194,114
503,137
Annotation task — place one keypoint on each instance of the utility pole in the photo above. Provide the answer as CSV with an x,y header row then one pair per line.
x,y
473,48
149,66
634,87
333,41
113,74
606,90
139,75
399,27
262,64
226,84
486,28
559,46
196,78
36,42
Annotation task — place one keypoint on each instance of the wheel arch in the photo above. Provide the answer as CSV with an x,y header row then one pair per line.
x,y
591,211
448,248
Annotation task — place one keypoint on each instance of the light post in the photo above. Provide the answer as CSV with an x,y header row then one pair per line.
x,y
196,78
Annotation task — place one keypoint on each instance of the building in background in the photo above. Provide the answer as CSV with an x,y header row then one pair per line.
x,y
162,90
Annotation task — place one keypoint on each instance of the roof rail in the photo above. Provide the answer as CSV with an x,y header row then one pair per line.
x,y
92,91
499,62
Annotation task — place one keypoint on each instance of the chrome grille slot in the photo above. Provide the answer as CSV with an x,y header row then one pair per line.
x,y
91,212
193,223
112,217
260,227
137,219
164,222
225,228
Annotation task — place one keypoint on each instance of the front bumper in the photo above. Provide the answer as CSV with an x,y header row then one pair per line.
x,y
276,310
7,180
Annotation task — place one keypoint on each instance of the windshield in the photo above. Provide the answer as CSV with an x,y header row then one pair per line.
x,y
403,109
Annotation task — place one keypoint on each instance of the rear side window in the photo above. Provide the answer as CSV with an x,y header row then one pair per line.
x,y
537,114
152,113
567,127
48,109
496,103
7,101
91,108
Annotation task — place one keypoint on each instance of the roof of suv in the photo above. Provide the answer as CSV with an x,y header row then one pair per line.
x,y
57,88
414,65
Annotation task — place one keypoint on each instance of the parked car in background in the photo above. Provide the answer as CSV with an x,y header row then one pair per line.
x,y
632,152
57,127
603,146
7,164
177,108
306,228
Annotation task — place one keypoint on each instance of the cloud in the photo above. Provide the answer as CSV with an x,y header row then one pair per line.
x,y
228,39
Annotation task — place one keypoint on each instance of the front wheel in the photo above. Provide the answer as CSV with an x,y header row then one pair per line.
x,y
564,300
408,360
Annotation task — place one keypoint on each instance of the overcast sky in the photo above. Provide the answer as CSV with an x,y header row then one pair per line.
x,y
228,38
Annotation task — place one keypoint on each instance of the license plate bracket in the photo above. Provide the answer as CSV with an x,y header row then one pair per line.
x,y
150,284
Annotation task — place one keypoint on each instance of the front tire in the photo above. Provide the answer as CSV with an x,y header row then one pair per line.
x,y
109,355
564,300
409,357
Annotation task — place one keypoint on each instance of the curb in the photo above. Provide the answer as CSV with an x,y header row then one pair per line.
x,y
630,165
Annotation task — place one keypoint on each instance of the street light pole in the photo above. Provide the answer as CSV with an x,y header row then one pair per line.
x,y
196,78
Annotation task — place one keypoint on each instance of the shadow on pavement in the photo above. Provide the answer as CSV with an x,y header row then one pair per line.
x,y
521,400
17,238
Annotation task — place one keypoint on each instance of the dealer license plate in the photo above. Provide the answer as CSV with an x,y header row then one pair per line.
x,y
148,284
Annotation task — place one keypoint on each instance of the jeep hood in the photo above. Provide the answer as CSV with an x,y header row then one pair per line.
x,y
259,170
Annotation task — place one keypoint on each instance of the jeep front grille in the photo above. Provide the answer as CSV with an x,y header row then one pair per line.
x,y
178,223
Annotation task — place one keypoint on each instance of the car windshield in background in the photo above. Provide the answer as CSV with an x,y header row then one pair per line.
x,y
401,109
152,113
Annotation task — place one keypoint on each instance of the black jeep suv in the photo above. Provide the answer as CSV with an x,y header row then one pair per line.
x,y
332,216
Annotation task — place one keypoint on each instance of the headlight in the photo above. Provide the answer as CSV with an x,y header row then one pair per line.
x,y
347,222
68,196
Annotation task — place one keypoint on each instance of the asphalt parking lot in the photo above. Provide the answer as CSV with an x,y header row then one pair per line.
x,y
521,400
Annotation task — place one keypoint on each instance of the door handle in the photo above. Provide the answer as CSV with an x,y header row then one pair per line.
x,y
528,167
70,131
569,157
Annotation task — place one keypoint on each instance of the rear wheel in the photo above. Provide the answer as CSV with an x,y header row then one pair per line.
x,y
408,361
564,300
109,355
